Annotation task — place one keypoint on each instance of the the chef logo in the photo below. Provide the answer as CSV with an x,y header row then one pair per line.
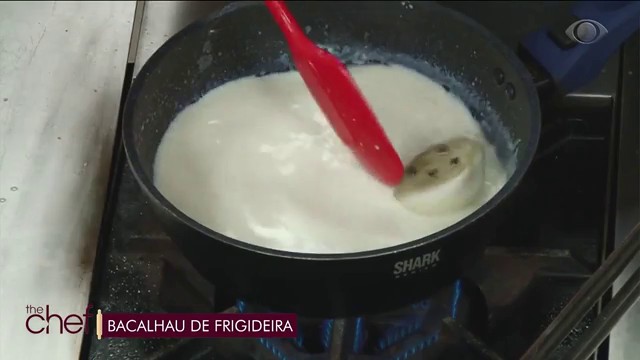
x,y
45,320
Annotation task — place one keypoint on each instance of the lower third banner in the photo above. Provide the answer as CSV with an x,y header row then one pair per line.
x,y
122,325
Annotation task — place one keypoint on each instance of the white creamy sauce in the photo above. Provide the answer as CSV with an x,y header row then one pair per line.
x,y
256,160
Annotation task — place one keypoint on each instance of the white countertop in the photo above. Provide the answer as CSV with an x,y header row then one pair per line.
x,y
62,67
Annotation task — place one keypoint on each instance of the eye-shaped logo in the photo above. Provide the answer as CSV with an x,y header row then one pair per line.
x,y
586,31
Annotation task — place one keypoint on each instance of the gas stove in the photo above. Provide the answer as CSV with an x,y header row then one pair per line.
x,y
544,253
546,249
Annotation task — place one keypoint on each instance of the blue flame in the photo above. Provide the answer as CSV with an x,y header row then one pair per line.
x,y
406,328
327,328
359,336
267,343
399,333
300,339
420,346
275,350
455,299
413,324
241,306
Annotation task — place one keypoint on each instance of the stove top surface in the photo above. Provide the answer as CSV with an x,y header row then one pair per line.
x,y
546,249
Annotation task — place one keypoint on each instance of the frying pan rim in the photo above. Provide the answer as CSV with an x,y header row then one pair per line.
x,y
147,185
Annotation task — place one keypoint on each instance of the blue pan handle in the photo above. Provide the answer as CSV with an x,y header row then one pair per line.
x,y
574,51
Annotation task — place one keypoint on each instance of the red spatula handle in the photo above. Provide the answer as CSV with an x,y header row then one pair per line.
x,y
285,20
339,97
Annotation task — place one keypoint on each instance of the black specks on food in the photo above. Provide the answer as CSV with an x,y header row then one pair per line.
x,y
95,90
454,161
442,149
5,99
59,138
411,170
433,172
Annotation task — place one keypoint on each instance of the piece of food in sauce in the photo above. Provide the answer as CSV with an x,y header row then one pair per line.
x,y
447,176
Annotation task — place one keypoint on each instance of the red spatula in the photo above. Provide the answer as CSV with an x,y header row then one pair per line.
x,y
340,99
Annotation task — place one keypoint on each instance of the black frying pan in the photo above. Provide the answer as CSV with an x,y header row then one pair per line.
x,y
242,40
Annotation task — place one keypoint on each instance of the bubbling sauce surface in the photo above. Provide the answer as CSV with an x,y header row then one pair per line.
x,y
256,160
